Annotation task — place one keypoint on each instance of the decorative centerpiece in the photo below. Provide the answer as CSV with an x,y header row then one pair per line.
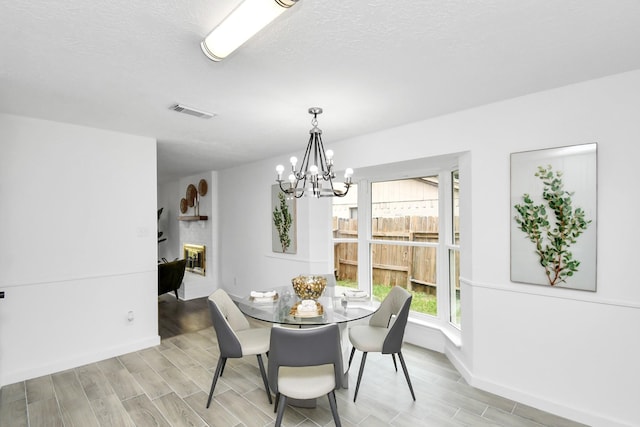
x,y
309,287
307,308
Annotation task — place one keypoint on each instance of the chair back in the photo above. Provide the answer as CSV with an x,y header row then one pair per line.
x,y
390,306
170,275
304,347
395,336
397,303
226,318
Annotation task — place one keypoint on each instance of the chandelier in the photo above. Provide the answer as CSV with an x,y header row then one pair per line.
x,y
316,168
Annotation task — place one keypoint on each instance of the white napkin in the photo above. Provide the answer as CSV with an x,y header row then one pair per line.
x,y
307,306
267,294
356,293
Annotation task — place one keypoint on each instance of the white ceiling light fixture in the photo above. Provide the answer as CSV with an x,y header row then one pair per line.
x,y
240,25
314,171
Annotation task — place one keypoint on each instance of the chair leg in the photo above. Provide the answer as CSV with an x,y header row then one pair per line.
x,y
281,406
219,368
176,292
406,374
353,351
224,363
334,408
364,359
264,377
395,365
275,406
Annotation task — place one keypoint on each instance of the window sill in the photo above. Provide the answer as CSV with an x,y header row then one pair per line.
x,y
449,332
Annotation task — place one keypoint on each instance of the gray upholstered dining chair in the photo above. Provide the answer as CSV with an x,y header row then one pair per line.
x,y
382,335
236,337
305,364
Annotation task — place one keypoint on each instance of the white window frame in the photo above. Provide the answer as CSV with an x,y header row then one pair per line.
x,y
445,233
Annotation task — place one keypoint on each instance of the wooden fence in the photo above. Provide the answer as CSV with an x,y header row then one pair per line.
x,y
410,267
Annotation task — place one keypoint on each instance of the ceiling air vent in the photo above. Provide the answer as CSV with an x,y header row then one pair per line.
x,y
191,111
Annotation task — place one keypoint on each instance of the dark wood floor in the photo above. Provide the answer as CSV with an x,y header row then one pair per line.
x,y
167,386
177,317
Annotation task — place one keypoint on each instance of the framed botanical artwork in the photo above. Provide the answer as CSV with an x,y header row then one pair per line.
x,y
553,217
283,222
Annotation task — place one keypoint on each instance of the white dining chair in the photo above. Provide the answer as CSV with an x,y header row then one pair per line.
x,y
382,335
236,337
305,364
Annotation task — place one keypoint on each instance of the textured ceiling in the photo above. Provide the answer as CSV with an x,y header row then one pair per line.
x,y
120,65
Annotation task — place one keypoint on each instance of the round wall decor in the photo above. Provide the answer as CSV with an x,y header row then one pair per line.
x,y
203,187
191,195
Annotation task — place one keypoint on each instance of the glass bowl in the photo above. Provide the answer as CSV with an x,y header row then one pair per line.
x,y
309,287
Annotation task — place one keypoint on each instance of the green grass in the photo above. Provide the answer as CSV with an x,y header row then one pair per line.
x,y
421,302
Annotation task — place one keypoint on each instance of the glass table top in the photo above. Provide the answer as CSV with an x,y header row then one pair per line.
x,y
279,309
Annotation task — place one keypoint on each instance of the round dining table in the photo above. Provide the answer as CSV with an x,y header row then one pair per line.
x,y
337,307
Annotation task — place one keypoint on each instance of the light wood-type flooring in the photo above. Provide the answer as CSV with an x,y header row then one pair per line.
x,y
168,385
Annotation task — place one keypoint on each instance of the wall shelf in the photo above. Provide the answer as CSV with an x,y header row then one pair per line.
x,y
193,218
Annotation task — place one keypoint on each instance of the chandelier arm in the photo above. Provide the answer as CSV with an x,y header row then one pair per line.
x,y
304,166
285,191
342,194
339,193
315,150
324,165
295,189
316,184
320,160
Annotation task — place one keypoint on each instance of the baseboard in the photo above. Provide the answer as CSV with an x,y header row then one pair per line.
x,y
62,365
585,417
435,339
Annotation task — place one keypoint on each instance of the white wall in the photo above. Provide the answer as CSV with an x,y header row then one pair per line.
x,y
246,258
168,224
570,352
192,232
78,246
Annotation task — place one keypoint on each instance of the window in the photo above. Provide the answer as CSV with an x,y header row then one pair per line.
x,y
345,238
408,237
404,239
453,246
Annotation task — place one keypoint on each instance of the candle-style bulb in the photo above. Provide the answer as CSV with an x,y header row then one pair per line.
x,y
329,154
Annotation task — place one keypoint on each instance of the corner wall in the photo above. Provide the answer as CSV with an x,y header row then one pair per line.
x,y
192,232
78,247
247,261
168,223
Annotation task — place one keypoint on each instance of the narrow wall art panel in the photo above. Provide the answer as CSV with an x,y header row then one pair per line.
x,y
283,222
553,217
